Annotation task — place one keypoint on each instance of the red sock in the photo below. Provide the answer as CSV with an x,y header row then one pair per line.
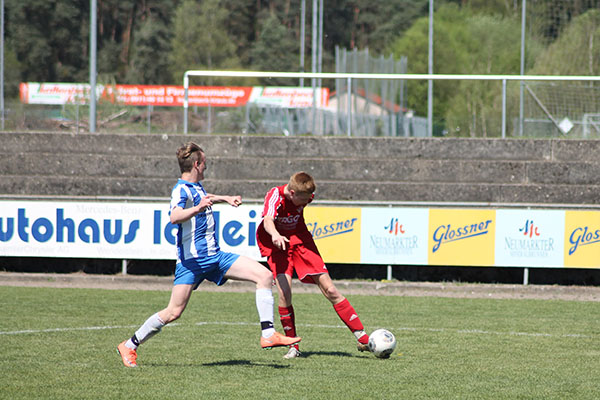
x,y
347,314
288,321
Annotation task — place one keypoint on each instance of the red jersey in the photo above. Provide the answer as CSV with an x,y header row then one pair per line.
x,y
289,220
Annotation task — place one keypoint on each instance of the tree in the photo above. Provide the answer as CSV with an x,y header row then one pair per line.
x,y
275,50
149,63
464,44
493,47
576,51
48,37
12,71
200,40
366,23
450,56
242,26
549,18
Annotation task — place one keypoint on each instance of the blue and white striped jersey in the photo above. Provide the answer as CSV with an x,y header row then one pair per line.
x,y
195,237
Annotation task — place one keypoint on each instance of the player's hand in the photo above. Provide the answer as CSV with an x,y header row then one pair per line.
x,y
235,201
281,242
204,204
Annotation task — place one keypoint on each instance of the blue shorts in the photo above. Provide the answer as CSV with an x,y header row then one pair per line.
x,y
213,268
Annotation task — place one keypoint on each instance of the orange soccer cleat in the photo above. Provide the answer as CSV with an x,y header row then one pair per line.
x,y
128,355
278,340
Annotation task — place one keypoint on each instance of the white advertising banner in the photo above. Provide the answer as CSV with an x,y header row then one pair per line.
x,y
365,235
112,230
394,235
289,97
530,238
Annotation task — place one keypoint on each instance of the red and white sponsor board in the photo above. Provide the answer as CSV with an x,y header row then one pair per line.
x,y
289,97
172,96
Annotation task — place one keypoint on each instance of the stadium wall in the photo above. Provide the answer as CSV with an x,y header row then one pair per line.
x,y
438,171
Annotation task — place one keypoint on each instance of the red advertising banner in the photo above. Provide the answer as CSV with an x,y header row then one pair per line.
x,y
202,96
173,96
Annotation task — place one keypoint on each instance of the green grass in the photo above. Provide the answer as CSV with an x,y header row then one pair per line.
x,y
447,349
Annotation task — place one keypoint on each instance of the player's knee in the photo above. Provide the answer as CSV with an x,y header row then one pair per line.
x,y
332,294
264,277
173,314
285,300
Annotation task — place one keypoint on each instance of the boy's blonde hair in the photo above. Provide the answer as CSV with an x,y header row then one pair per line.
x,y
187,155
301,182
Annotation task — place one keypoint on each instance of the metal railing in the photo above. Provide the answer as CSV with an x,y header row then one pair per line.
x,y
350,76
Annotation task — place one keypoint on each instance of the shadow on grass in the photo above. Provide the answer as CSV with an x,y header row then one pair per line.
x,y
306,354
248,363
244,363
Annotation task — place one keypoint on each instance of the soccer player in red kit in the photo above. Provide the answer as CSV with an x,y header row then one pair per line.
x,y
288,245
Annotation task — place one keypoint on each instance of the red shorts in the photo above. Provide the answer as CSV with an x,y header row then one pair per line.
x,y
304,258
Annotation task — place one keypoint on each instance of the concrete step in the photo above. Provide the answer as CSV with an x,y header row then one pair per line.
x,y
359,169
326,190
279,169
292,147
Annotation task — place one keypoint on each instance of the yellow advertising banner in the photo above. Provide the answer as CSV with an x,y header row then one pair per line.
x,y
582,239
461,237
336,231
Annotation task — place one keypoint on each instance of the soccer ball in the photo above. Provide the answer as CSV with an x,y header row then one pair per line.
x,y
382,343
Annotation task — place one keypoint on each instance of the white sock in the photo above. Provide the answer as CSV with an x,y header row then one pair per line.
x,y
151,327
359,334
264,305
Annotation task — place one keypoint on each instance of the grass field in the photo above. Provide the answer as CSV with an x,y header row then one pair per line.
x,y
60,344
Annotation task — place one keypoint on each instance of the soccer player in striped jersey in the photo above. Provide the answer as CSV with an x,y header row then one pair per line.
x,y
288,245
199,258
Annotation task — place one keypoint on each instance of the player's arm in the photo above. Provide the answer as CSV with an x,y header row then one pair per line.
x,y
278,240
180,215
231,200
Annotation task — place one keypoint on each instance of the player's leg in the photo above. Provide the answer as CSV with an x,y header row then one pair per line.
x,y
180,296
247,269
343,308
286,312
284,287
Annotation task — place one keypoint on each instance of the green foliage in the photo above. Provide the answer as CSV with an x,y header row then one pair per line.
x,y
242,26
60,344
575,52
548,18
200,40
135,37
476,108
149,61
376,24
450,56
275,50
465,43
48,37
504,8
12,71
155,41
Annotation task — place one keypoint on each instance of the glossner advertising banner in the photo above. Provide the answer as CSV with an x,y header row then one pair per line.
x,y
461,237
367,235
336,231
582,239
